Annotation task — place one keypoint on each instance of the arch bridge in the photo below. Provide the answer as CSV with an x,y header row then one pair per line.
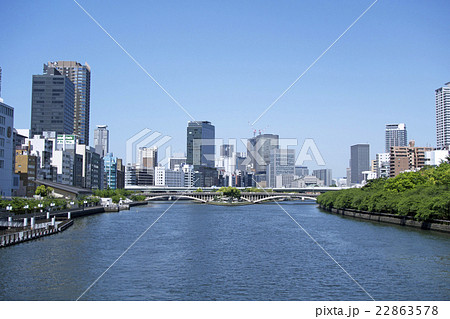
x,y
251,197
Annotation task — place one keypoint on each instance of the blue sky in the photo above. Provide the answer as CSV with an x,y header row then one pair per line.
x,y
226,61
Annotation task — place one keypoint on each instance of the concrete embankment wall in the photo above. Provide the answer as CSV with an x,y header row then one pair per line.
x,y
80,212
437,225
138,203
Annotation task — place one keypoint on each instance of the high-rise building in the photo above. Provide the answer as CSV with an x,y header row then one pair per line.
x,y
200,144
226,150
173,161
443,116
42,148
348,178
68,163
259,149
206,176
52,103
120,174
301,171
406,158
80,75
6,149
92,167
25,167
1,100
324,175
101,140
359,162
396,135
148,157
110,170
281,169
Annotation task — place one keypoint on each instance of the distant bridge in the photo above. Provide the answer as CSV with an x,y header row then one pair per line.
x,y
251,197
165,189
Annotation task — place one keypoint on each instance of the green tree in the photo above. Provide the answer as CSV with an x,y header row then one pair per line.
x,y
43,191
230,192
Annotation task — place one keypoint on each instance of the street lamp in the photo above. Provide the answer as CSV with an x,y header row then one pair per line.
x,y
85,202
51,206
40,205
9,209
26,207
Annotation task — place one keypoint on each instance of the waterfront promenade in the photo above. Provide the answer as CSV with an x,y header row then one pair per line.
x,y
19,228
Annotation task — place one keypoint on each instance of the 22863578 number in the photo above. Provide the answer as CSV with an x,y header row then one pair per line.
x,y
406,310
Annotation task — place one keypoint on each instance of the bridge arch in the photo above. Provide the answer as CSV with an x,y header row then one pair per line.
x,y
283,196
175,195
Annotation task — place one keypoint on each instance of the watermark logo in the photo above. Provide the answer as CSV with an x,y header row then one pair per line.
x,y
147,138
259,150
205,151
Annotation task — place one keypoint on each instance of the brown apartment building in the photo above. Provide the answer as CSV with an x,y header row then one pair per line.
x,y
26,166
405,158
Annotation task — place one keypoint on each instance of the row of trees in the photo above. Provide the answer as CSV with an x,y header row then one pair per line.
x,y
48,202
30,205
424,194
118,194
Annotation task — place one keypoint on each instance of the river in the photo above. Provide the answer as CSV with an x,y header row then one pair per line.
x,y
205,252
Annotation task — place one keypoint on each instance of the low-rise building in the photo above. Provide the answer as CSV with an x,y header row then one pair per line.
x,y
436,157
382,165
167,177
306,181
137,176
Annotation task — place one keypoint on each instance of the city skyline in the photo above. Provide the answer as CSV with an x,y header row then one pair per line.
x,y
405,93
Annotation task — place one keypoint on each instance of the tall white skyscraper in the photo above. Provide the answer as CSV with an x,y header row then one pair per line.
x,y
396,136
443,116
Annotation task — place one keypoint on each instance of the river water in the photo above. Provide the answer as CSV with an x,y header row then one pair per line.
x,y
205,252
